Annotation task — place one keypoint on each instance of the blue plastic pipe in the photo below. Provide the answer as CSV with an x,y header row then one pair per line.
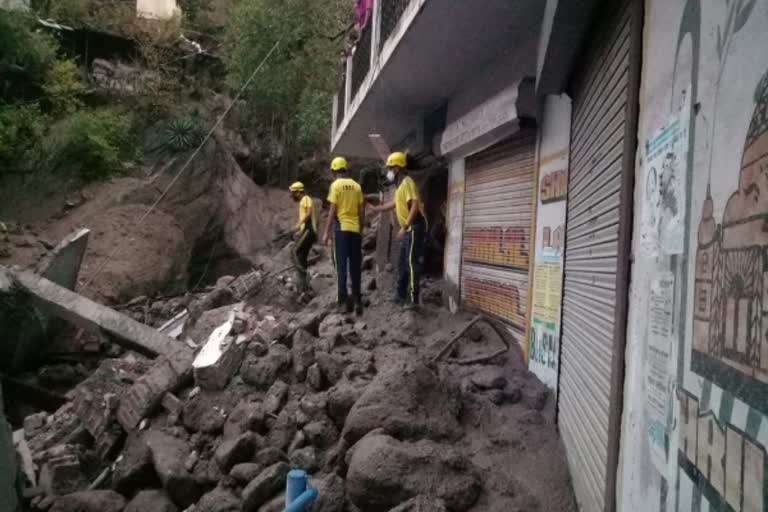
x,y
301,503
295,485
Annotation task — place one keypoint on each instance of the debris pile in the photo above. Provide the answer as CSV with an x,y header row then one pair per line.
x,y
394,411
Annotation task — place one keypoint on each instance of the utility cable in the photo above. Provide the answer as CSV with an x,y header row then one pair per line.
x,y
218,122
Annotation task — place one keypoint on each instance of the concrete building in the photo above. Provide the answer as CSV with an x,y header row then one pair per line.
x,y
604,168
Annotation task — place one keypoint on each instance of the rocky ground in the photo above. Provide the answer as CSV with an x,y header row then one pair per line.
x,y
360,403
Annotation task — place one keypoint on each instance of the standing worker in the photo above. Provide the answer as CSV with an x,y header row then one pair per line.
x,y
305,232
347,216
413,228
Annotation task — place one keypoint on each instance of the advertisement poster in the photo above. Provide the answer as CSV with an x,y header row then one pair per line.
x,y
545,313
664,161
658,365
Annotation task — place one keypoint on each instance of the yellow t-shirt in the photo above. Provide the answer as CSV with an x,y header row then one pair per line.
x,y
347,195
406,191
304,205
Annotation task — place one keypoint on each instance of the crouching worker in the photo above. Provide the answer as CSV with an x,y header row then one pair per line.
x,y
413,228
305,233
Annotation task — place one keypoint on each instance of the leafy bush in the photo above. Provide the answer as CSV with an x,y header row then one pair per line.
x,y
69,11
90,144
63,87
21,129
182,134
25,54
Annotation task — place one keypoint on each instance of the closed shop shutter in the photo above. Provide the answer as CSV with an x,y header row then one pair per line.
x,y
596,255
497,230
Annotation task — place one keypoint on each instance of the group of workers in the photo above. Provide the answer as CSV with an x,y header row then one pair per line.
x,y
345,226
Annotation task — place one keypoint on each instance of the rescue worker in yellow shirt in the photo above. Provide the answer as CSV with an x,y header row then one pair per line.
x,y
305,232
413,228
346,217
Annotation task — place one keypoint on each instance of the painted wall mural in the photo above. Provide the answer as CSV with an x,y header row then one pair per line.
x,y
711,424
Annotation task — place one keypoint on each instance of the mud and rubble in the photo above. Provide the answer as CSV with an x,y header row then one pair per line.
x,y
392,411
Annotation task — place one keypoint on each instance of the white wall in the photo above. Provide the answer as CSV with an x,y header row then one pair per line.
x,y
694,429
157,9
547,281
454,231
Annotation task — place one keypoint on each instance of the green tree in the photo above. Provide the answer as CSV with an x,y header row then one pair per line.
x,y
291,97
63,87
25,55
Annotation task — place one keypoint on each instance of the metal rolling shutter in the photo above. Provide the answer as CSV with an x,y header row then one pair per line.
x,y
497,230
596,256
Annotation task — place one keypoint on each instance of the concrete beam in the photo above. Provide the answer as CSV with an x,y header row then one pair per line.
x,y
57,301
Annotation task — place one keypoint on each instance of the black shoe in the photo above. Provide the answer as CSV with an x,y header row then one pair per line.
x,y
359,308
342,307
350,307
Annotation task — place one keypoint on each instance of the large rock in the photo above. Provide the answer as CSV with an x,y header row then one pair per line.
x,y
303,352
246,471
283,430
265,486
246,416
331,494
321,433
305,458
169,456
90,501
422,504
261,372
151,501
134,469
234,451
275,397
201,415
384,472
409,402
218,500
333,325
331,367
269,456
341,398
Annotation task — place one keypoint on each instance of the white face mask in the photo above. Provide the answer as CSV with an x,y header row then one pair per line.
x,y
391,176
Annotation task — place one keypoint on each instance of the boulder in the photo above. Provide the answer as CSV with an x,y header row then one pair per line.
x,y
315,377
134,468
332,325
246,471
321,433
151,501
90,501
283,430
331,367
246,416
422,504
314,406
218,500
169,456
409,402
275,397
331,494
489,377
341,398
261,372
303,351
305,458
199,414
234,451
269,456
384,472
265,486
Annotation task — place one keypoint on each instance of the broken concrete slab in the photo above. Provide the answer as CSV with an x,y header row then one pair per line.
x,y
62,472
62,265
58,301
220,357
167,374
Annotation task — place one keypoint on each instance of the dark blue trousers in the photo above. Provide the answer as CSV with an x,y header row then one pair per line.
x,y
411,263
348,257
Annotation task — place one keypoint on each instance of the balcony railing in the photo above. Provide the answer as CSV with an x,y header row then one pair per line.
x,y
361,60
341,99
391,12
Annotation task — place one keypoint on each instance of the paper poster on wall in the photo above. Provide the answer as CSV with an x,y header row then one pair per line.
x,y
665,160
544,336
658,365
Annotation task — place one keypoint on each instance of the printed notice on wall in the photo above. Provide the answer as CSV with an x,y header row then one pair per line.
x,y
548,287
658,361
665,163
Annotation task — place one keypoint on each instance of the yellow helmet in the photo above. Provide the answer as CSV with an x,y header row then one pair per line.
x,y
396,159
339,164
297,187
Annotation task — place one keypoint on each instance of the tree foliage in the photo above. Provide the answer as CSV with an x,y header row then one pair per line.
x,y
291,96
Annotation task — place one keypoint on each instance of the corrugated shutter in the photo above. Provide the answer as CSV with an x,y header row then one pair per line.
x,y
497,230
592,346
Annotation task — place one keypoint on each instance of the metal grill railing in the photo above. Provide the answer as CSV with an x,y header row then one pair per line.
x,y
391,12
340,110
361,61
